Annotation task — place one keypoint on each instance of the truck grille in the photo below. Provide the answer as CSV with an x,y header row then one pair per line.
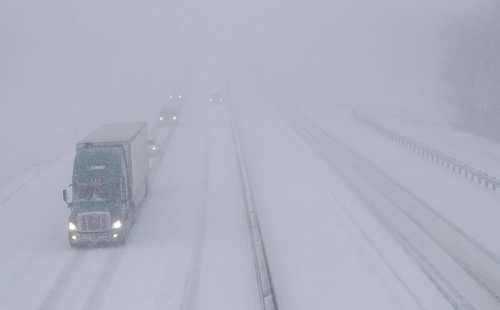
x,y
93,221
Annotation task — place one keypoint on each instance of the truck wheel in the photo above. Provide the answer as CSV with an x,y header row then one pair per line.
x,y
122,239
132,217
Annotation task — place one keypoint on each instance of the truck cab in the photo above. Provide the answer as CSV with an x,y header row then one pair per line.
x,y
109,180
98,210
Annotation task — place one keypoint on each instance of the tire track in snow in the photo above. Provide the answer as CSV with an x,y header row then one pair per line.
x,y
193,277
45,159
43,168
105,269
155,166
88,290
366,236
455,267
59,285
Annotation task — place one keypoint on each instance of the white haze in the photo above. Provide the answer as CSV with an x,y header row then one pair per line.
x,y
354,52
117,60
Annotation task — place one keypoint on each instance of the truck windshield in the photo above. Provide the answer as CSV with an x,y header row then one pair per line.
x,y
109,191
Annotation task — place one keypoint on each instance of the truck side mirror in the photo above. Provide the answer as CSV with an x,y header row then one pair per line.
x,y
65,196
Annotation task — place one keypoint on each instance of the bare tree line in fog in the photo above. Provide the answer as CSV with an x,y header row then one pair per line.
x,y
472,69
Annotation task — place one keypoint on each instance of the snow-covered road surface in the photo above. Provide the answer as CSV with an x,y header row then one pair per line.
x,y
189,249
465,272
350,220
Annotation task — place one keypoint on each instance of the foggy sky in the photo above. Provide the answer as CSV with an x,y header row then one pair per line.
x,y
352,50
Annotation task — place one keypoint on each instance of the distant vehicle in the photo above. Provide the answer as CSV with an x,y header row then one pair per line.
x,y
168,116
175,96
110,179
153,148
215,98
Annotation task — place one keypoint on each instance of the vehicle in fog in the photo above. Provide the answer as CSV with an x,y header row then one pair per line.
x,y
175,97
215,98
168,116
153,148
110,179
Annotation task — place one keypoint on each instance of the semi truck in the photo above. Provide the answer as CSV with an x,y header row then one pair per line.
x,y
110,180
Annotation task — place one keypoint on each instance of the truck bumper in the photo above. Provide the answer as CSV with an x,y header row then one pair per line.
x,y
79,238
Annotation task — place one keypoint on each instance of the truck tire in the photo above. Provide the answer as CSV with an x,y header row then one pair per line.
x,y
75,245
132,216
122,239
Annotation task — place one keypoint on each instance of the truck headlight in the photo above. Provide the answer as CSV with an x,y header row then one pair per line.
x,y
175,117
117,224
71,226
161,118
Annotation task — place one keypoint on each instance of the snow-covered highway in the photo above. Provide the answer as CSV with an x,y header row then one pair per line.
x,y
301,154
350,219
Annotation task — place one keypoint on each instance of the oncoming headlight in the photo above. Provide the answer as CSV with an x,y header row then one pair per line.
x,y
117,224
161,118
71,226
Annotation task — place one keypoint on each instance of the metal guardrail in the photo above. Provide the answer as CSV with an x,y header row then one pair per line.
x,y
424,150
